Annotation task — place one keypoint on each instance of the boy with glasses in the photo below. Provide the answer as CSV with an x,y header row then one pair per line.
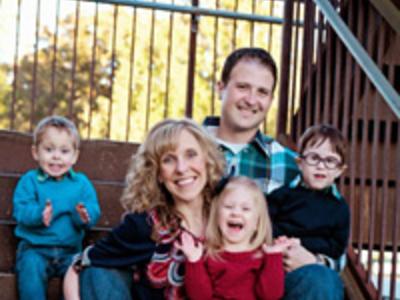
x,y
310,210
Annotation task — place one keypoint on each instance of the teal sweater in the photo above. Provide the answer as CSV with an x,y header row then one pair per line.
x,y
66,228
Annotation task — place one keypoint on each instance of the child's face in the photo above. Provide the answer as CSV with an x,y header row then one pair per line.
x,y
55,152
316,174
237,219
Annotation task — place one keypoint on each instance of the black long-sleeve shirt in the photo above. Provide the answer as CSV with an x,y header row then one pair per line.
x,y
129,244
318,218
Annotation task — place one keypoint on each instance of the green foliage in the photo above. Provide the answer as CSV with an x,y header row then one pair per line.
x,y
149,84
5,96
43,99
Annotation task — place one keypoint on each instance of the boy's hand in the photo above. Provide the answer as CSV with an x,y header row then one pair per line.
x,y
296,257
47,213
83,213
192,250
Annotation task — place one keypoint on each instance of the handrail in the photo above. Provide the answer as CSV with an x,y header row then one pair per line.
x,y
194,10
374,74
389,11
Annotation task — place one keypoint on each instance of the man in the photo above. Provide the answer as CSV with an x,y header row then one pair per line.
x,y
246,90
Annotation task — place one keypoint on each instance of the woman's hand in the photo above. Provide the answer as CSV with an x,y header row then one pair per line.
x,y
193,250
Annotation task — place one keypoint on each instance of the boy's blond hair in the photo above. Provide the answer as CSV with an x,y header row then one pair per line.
x,y
263,234
58,122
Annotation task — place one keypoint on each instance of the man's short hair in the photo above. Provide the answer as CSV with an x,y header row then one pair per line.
x,y
59,123
318,134
252,53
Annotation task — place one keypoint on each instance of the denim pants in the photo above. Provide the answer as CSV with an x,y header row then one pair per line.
x,y
109,284
36,265
313,282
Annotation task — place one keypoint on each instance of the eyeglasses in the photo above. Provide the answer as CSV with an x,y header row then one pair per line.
x,y
313,159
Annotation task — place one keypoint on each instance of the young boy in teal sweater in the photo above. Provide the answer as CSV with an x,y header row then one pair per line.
x,y
53,205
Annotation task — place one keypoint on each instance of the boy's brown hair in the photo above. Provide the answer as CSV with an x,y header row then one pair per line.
x,y
59,123
318,134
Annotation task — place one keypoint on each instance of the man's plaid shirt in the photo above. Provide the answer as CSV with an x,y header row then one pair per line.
x,y
263,159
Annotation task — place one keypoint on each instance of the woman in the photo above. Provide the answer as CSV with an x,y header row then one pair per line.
x,y
169,185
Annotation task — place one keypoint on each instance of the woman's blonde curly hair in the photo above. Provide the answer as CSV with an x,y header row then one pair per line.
x,y
143,191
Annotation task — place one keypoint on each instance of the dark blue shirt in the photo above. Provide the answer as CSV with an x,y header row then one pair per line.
x,y
319,218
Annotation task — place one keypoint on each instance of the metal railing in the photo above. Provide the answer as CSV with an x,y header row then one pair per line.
x,y
117,67
350,79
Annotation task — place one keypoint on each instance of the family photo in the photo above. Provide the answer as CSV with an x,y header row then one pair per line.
x,y
200,149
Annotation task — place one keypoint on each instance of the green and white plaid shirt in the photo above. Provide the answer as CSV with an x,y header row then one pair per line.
x,y
263,159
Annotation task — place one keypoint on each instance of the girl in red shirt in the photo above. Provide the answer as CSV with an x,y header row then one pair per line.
x,y
239,260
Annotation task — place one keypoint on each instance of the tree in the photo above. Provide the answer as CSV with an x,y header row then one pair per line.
x,y
38,97
129,91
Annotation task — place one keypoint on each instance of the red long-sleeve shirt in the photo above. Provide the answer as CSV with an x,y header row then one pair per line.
x,y
240,276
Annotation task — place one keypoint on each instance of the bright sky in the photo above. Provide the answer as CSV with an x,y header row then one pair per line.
x,y
8,19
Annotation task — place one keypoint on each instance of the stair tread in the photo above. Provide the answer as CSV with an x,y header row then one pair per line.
x,y
8,287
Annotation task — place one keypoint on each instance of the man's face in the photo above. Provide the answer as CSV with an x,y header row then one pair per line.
x,y
246,97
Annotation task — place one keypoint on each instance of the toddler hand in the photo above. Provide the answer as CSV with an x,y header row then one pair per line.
x,y
275,248
283,239
192,250
83,213
293,242
47,213
286,243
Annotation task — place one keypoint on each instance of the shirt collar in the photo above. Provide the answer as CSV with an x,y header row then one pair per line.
x,y
298,181
212,123
42,176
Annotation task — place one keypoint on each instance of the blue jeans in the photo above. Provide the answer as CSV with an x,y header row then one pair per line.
x,y
36,265
313,282
109,284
